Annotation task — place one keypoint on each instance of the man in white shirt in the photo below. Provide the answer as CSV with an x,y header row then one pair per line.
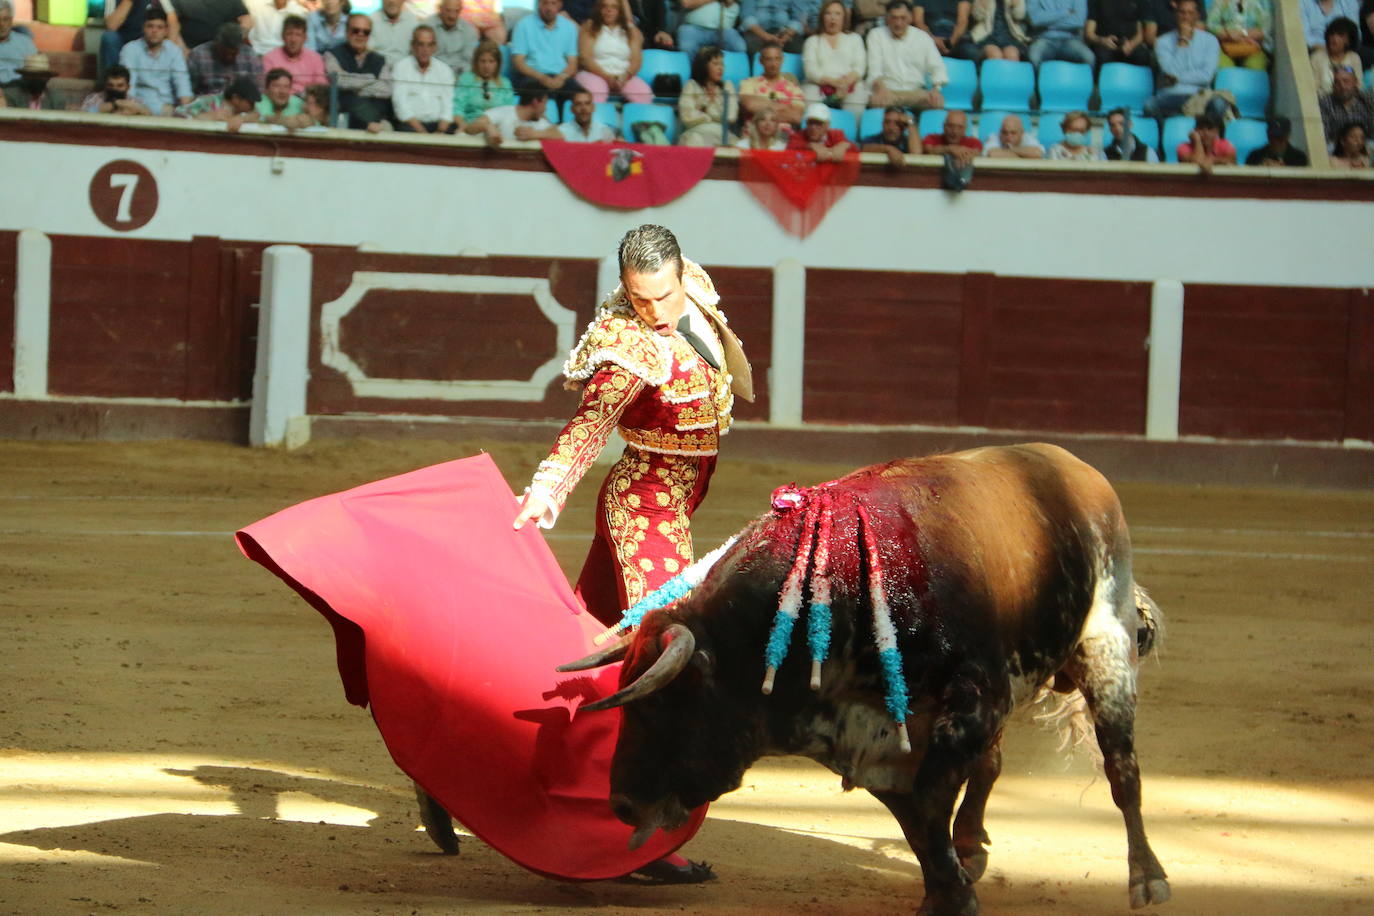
x,y
902,62
522,121
582,129
422,87
268,18
392,28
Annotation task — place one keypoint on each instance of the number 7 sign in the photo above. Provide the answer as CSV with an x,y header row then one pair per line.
x,y
123,195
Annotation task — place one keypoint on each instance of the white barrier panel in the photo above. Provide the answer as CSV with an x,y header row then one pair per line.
x,y
789,343
1166,360
283,366
32,314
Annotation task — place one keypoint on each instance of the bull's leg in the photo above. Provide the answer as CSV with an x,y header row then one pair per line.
x,y
1102,667
970,836
437,821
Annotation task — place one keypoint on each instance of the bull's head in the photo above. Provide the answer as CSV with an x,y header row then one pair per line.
x,y
682,742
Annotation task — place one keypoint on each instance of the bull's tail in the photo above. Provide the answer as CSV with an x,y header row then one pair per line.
x,y
1067,712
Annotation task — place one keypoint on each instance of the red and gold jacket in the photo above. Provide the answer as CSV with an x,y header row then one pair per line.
x,y
656,390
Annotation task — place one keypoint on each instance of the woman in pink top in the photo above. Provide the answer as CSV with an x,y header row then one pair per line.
x,y
608,50
1206,146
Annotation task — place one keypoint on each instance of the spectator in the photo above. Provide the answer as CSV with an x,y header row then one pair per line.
x,y
1278,151
818,136
217,63
1245,29
1318,14
305,66
998,30
835,62
316,102
1346,103
1205,146
609,52
894,140
124,23
1115,31
327,27
268,18
773,89
582,129
363,78
946,22
482,86
953,140
1352,147
706,101
422,88
544,51
1076,145
1012,142
32,89
902,62
14,46
770,22
653,17
1160,19
522,121
1057,31
1126,146
392,28
201,19
279,103
809,15
234,106
113,96
485,17
1187,59
763,132
160,78
1366,47
457,38
709,22
1337,54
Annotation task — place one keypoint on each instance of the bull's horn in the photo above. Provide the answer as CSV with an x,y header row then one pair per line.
x,y
678,645
613,653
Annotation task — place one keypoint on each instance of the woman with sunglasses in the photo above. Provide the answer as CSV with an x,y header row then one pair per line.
x,y
482,86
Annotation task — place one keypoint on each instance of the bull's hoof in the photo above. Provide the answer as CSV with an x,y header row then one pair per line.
x,y
1149,891
974,862
962,902
665,871
437,822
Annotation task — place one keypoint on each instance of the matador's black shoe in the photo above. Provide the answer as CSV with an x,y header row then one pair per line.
x,y
438,823
672,869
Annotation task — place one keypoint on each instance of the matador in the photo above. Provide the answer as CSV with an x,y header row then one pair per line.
x,y
660,364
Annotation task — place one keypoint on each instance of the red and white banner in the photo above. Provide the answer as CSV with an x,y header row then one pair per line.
x,y
628,175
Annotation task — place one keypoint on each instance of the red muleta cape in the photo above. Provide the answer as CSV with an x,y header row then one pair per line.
x,y
449,624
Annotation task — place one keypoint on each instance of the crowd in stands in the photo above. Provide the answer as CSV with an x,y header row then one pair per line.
x,y
829,75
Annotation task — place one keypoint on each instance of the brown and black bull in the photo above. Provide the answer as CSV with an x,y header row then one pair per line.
x,y
1004,570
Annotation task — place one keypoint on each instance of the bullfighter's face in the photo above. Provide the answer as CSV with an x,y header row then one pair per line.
x,y
658,298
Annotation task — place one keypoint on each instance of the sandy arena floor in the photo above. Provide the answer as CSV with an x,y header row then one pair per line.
x,y
174,737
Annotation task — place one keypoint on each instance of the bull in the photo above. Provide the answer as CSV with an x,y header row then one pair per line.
x,y
1003,571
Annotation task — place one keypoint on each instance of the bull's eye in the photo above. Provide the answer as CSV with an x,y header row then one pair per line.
x,y
704,662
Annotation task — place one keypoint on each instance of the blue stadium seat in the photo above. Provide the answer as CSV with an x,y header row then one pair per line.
x,y
1147,130
637,113
607,113
963,82
736,67
1250,87
1065,86
932,121
1248,135
655,61
990,122
1007,84
872,123
791,63
1369,78
1125,86
1176,130
1049,130
840,119
553,111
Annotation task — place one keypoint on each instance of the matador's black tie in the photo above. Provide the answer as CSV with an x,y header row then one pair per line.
x,y
684,328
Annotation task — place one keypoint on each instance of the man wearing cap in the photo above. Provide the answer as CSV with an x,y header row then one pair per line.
x,y
817,135
235,105
32,89
215,64
1278,151
160,78
902,62
14,46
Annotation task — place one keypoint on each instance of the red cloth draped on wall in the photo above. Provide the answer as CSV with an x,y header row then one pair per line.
x,y
628,175
449,624
796,189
